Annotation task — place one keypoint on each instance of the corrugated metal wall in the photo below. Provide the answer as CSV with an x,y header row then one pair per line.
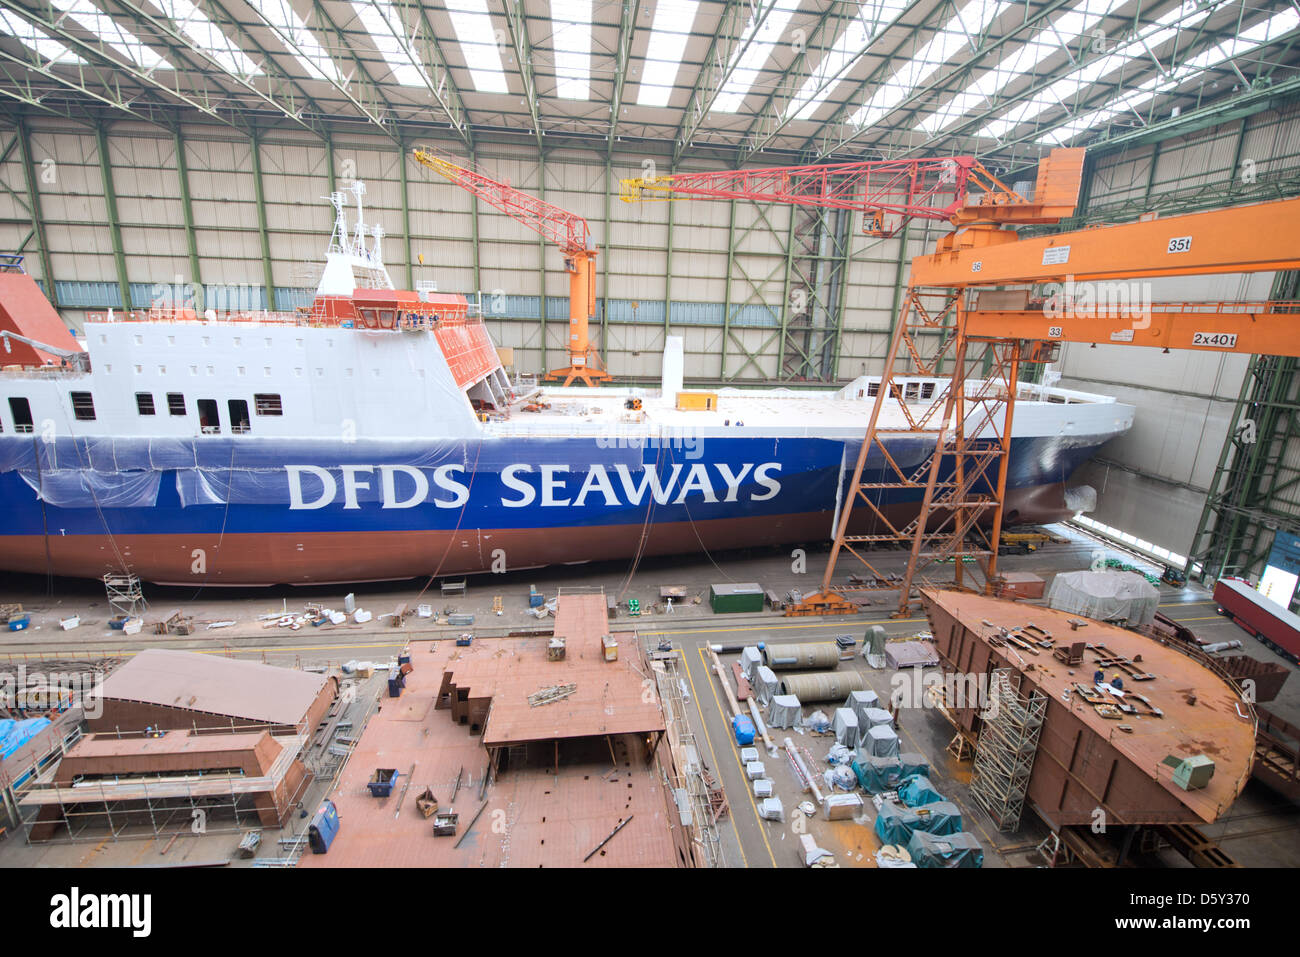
x,y
515,269
1153,481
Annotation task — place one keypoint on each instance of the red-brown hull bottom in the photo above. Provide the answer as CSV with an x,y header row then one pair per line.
x,y
334,557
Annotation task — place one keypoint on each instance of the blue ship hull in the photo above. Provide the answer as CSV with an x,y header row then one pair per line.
x,y
245,511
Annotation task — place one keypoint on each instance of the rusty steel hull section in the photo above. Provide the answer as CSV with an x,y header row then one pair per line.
x,y
1085,762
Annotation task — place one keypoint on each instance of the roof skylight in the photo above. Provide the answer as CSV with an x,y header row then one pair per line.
x,y
753,50
1063,91
876,17
970,22
194,23
663,56
389,36
1266,31
1051,39
571,39
300,41
478,42
107,30
25,32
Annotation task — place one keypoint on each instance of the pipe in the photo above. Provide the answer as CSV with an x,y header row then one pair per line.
x,y
760,724
803,770
823,686
788,657
726,685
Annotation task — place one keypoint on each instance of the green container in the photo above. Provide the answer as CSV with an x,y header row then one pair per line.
x,y
744,598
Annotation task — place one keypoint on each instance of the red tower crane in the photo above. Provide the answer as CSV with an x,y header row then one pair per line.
x,y
567,230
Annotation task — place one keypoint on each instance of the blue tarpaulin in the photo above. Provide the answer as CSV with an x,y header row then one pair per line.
x,y
941,817
914,763
917,790
895,823
14,734
878,774
950,850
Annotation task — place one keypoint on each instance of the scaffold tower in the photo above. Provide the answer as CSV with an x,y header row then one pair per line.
x,y
1004,754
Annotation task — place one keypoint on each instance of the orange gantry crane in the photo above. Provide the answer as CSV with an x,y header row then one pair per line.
x,y
567,230
979,287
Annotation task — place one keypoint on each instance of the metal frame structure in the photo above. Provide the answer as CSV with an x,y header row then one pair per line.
x,y
566,230
1256,486
1005,750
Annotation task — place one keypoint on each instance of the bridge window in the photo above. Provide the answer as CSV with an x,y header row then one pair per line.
x,y
21,410
83,406
267,403
209,418
175,403
238,416
144,403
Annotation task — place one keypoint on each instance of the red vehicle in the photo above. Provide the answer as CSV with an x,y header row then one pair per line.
x,y
1277,627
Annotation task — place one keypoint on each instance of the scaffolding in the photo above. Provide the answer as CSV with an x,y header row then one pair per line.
x,y
688,783
160,804
124,594
1004,754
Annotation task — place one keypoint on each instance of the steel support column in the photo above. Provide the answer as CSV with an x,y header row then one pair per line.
x,y
34,207
541,259
406,217
114,223
187,211
726,302
1254,489
668,277
261,222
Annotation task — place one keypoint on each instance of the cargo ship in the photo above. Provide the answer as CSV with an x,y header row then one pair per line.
x,y
375,435
1134,731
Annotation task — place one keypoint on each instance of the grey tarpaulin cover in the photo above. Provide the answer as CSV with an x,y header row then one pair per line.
x,y
750,658
873,646
1122,597
882,742
765,684
941,817
783,712
877,774
914,763
859,702
950,850
917,790
846,727
875,717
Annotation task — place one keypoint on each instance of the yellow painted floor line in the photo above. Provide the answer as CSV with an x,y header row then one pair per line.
x,y
708,739
749,792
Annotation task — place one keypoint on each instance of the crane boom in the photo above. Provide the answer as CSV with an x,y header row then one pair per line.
x,y
889,192
567,230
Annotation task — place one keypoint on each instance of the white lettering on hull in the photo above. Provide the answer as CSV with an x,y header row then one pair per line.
x,y
405,486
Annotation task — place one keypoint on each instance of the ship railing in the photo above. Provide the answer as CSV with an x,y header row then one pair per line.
x,y
11,262
178,317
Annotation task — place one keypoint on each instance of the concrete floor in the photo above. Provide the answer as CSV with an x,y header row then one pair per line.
x,y
1260,830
